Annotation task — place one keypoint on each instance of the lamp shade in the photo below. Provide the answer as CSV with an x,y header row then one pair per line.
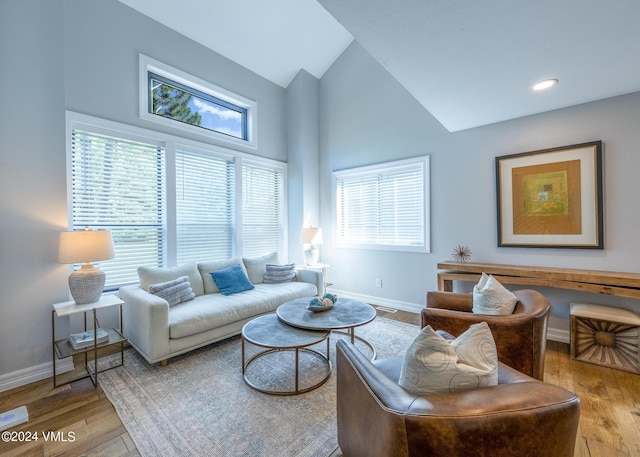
x,y
312,235
83,246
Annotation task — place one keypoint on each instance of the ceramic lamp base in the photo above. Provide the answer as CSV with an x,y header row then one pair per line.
x,y
86,284
311,255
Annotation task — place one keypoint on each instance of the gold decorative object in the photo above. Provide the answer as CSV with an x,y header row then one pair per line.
x,y
461,253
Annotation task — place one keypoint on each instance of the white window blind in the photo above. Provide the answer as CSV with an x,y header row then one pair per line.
x,y
205,207
263,216
117,185
383,206
168,201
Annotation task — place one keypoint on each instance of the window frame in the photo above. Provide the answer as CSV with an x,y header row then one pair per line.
x,y
197,86
378,170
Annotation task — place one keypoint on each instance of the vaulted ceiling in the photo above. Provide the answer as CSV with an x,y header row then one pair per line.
x,y
470,63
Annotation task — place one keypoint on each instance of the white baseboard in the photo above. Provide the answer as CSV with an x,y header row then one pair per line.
x,y
559,335
400,305
32,374
553,334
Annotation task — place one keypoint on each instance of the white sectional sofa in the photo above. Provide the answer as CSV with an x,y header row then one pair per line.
x,y
159,331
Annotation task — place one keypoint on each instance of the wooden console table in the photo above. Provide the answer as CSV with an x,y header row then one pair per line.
x,y
598,282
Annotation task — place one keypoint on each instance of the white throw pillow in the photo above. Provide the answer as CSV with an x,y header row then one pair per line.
x,y
491,297
256,266
434,365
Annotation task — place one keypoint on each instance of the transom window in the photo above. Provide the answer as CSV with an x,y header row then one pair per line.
x,y
177,99
181,103
383,206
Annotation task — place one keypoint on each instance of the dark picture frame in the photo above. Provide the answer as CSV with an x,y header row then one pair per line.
x,y
551,198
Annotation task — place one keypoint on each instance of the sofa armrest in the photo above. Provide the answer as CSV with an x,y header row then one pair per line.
x,y
311,276
146,322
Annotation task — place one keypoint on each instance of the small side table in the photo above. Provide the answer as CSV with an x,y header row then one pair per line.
x,y
62,348
319,266
605,335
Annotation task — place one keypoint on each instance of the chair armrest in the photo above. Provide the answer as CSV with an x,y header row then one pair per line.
x,y
456,322
532,303
146,322
370,407
454,301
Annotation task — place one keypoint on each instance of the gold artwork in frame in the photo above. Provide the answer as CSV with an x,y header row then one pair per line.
x,y
551,198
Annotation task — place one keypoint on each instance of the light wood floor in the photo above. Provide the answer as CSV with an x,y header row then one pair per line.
x,y
609,423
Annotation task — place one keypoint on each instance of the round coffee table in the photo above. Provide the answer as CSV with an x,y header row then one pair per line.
x,y
270,332
343,317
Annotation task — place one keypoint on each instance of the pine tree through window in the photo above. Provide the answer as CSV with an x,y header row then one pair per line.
x,y
181,103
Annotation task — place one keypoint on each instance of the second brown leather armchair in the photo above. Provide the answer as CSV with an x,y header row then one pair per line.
x,y
521,337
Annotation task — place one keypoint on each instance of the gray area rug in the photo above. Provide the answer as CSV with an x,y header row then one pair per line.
x,y
199,404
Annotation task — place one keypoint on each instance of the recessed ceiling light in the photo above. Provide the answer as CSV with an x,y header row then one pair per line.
x,y
542,85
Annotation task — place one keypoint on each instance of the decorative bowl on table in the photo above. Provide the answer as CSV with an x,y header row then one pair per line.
x,y
318,304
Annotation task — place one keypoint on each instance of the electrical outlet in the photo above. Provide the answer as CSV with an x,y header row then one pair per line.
x,y
378,282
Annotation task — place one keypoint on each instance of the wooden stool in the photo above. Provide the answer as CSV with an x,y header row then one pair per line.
x,y
605,335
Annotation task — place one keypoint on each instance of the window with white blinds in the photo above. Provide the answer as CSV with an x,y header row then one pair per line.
x,y
117,185
170,201
205,207
384,206
262,209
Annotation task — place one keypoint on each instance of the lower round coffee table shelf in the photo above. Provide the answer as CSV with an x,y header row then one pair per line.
x,y
271,333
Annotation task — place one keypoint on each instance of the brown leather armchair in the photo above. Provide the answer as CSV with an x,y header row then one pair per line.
x,y
520,416
521,337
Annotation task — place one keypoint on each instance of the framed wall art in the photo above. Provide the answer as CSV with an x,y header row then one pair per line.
x,y
551,198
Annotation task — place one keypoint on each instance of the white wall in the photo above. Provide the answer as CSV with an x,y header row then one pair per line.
x,y
81,56
367,117
32,182
303,159
102,42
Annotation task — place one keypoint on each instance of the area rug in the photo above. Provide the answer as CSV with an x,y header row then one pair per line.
x,y
199,404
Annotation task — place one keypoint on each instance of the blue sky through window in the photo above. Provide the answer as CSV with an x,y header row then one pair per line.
x,y
216,117
214,114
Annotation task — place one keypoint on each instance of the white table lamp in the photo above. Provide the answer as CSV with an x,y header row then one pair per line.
x,y
311,236
85,246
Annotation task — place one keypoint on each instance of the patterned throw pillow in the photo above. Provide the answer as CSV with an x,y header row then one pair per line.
x,y
279,273
176,291
434,365
491,297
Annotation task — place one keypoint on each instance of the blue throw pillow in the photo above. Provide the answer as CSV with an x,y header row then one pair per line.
x,y
231,280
